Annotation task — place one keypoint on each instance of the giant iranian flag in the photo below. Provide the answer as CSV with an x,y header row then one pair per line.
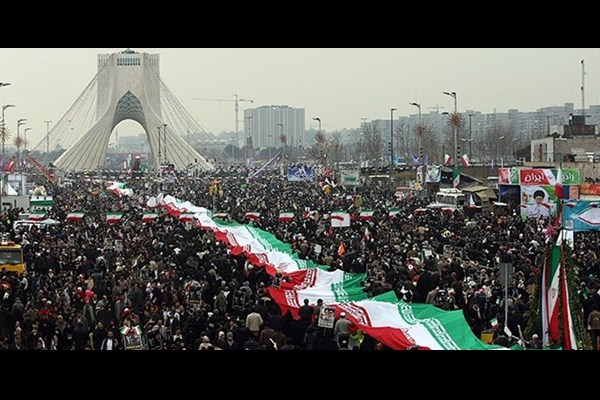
x,y
261,248
347,290
401,325
175,207
186,217
314,277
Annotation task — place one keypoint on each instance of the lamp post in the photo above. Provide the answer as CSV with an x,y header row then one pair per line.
x,y
514,149
392,137
25,140
498,144
269,146
4,107
159,155
420,133
282,149
456,172
20,122
248,136
470,139
165,144
319,121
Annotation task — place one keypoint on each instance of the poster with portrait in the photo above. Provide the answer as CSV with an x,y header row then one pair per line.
x,y
433,174
327,317
537,201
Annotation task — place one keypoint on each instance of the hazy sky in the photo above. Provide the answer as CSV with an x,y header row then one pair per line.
x,y
340,86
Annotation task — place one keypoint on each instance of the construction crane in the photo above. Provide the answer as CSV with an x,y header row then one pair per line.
x,y
237,101
436,108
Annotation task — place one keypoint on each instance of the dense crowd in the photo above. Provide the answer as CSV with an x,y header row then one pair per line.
x,y
90,285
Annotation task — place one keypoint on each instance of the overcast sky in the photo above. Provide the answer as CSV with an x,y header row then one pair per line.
x,y
340,86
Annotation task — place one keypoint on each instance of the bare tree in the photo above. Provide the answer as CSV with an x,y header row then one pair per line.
x,y
336,147
372,143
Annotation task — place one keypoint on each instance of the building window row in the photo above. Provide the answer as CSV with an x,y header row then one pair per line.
x,y
128,61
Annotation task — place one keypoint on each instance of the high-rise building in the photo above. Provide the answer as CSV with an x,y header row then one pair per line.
x,y
266,124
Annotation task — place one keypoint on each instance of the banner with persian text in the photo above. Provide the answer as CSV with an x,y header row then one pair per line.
x,y
536,176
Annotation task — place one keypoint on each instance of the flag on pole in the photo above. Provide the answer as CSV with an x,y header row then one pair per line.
x,y
456,178
447,159
286,216
550,292
558,189
393,212
222,216
75,216
366,214
465,161
340,219
494,323
37,215
113,217
308,213
253,215
149,217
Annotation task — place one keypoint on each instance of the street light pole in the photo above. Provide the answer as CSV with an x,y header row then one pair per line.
x,y
4,107
159,155
165,144
248,140
470,139
456,172
20,122
392,137
25,139
282,149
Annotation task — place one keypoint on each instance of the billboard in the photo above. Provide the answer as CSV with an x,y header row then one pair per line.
x,y
536,176
537,201
582,215
433,174
350,177
300,174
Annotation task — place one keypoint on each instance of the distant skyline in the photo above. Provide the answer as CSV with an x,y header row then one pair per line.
x,y
340,86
